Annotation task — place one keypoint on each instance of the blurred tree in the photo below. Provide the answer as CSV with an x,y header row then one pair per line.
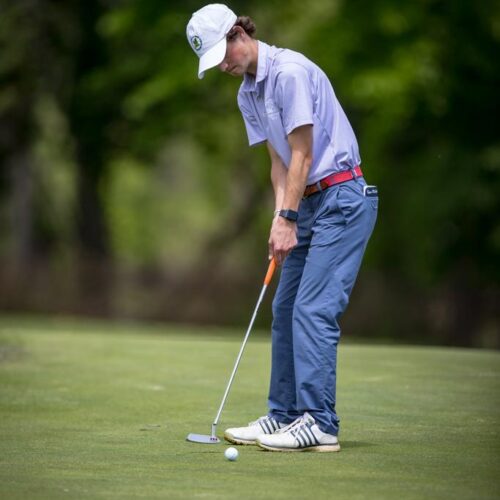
x,y
18,87
32,71
89,109
50,51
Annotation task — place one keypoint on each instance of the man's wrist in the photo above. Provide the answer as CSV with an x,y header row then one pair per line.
x,y
289,214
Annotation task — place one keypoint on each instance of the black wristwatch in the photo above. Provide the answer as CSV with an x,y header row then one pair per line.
x,y
289,214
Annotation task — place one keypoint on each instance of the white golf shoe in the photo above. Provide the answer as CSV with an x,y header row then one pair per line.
x,y
301,435
248,435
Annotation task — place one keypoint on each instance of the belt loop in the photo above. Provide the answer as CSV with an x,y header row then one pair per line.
x,y
318,185
353,173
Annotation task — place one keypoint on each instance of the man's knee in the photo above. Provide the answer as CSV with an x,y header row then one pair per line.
x,y
328,308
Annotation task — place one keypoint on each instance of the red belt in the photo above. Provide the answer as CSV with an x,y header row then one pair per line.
x,y
332,179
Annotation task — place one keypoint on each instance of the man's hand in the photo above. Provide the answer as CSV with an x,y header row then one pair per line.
x,y
283,238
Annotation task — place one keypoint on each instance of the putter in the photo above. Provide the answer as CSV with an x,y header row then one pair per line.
x,y
212,438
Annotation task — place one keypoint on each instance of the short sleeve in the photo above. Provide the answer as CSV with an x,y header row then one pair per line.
x,y
294,96
254,130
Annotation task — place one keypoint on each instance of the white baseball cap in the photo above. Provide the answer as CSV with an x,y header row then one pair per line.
x,y
206,33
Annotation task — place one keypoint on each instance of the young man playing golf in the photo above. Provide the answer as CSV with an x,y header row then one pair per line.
x,y
324,216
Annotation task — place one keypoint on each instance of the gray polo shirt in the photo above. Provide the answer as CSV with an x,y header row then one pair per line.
x,y
288,91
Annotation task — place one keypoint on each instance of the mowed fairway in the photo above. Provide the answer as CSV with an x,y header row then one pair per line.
x,y
91,410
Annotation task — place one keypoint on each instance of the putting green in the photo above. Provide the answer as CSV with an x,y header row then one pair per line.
x,y
95,410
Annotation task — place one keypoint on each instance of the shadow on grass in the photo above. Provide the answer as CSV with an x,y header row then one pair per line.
x,y
355,444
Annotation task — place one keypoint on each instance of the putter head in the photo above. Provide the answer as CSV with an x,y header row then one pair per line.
x,y
203,439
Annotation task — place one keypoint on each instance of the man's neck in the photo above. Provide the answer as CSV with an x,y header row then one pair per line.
x,y
252,67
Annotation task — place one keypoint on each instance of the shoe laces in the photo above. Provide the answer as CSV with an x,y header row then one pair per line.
x,y
290,427
297,425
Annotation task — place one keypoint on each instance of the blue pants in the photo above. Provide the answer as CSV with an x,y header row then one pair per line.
x,y
317,277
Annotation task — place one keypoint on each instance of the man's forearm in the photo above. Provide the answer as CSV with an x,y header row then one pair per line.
x,y
300,141
296,179
278,179
289,187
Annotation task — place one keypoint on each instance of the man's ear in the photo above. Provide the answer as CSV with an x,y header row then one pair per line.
x,y
240,32
233,34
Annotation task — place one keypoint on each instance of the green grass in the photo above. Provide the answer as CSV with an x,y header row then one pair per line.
x,y
90,410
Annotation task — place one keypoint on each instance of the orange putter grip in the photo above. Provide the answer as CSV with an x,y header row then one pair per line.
x,y
270,272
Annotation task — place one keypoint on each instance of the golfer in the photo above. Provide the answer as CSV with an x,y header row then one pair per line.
x,y
324,216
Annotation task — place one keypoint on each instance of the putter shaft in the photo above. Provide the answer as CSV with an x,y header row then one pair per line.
x,y
240,354
212,438
267,280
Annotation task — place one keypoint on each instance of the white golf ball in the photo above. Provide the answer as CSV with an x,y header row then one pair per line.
x,y
231,454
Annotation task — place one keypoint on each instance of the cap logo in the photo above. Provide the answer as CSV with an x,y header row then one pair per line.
x,y
196,41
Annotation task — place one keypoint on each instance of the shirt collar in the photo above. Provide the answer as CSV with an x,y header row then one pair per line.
x,y
250,83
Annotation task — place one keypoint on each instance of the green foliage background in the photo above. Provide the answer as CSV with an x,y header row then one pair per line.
x,y
127,187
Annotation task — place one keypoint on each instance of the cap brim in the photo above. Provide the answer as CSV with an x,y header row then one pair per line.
x,y
212,57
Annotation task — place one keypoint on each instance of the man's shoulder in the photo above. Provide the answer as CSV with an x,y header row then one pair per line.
x,y
290,64
287,59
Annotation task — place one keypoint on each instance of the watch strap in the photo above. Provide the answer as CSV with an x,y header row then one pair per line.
x,y
289,214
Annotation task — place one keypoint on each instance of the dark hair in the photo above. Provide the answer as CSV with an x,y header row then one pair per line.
x,y
244,22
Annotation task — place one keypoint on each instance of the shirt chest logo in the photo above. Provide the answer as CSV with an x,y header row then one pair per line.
x,y
271,107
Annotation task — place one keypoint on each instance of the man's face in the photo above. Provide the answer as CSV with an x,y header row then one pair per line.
x,y
238,56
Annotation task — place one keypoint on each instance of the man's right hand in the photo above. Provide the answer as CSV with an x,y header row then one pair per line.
x,y
283,239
